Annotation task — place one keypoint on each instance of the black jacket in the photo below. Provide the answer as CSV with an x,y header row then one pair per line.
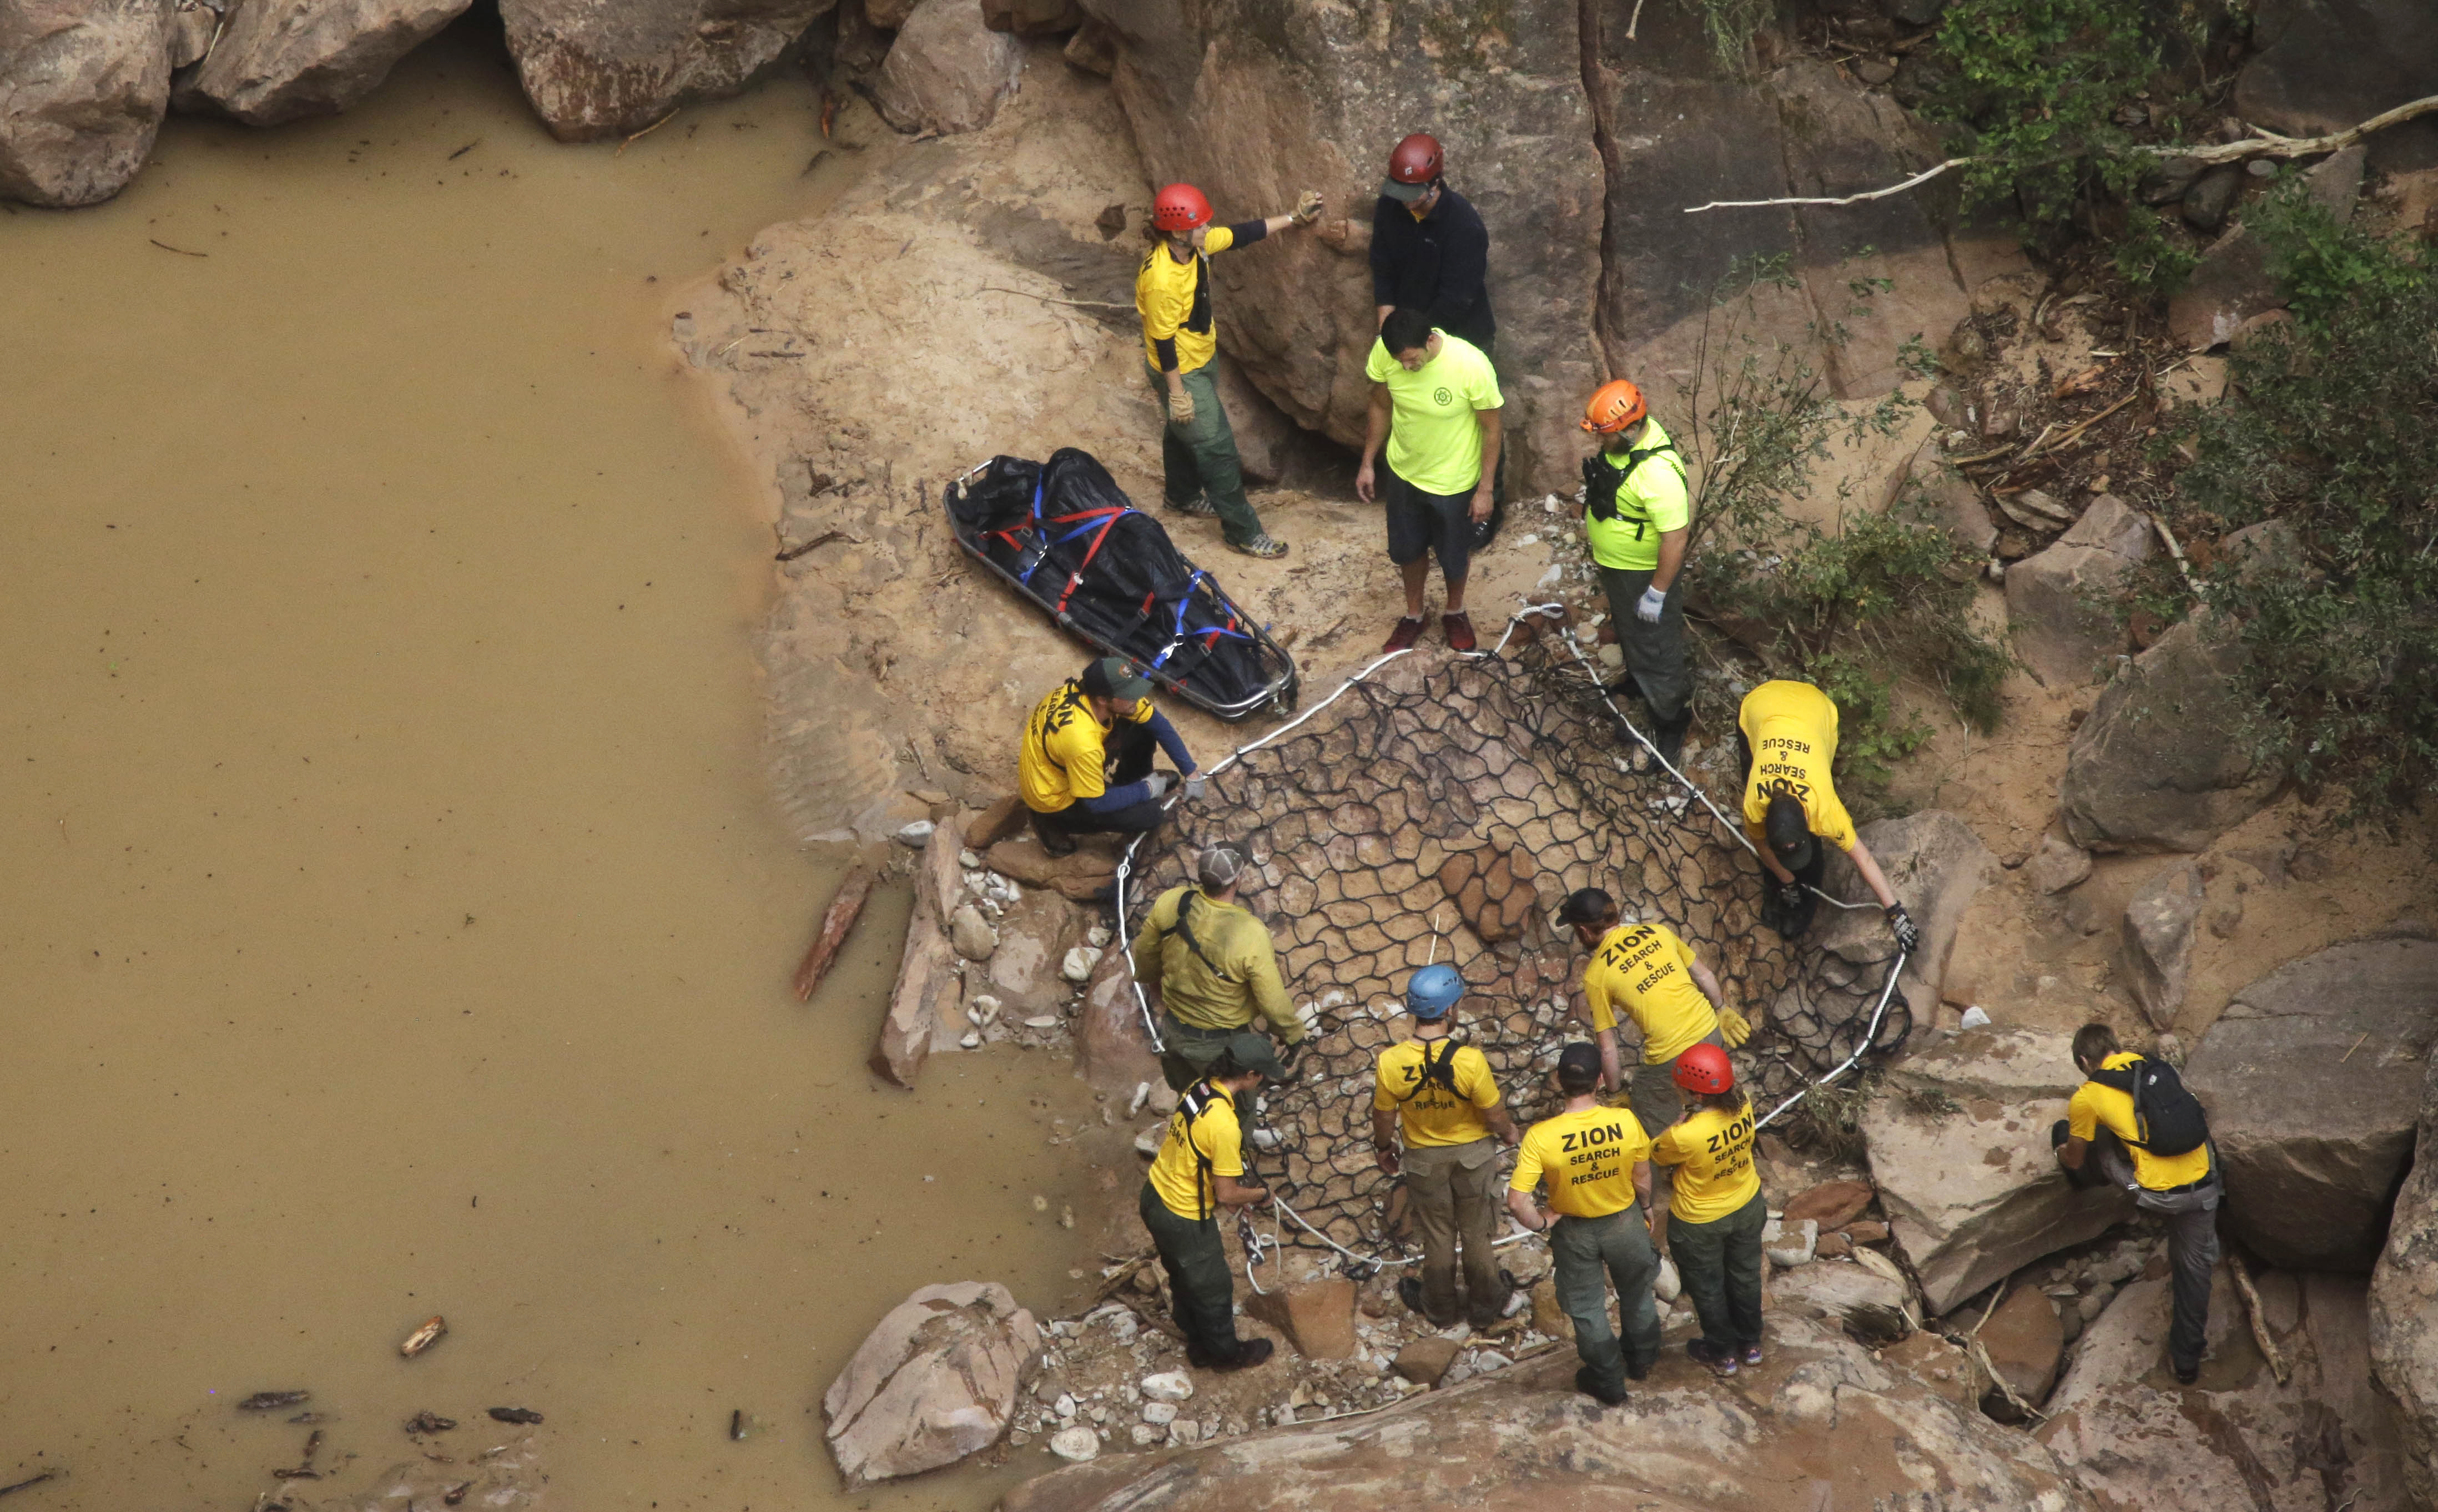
x,y
1440,264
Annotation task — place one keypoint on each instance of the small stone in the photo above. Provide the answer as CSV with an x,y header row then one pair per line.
x,y
1147,1143
1162,1413
972,934
971,1040
1793,1244
982,1008
1077,1443
1426,1360
1169,1385
970,862
1185,1431
1097,936
1975,1017
1874,71
917,835
1145,1436
1078,965
1042,1020
1065,1405
1666,1286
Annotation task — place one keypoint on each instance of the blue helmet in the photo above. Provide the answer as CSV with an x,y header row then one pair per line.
x,y
1432,991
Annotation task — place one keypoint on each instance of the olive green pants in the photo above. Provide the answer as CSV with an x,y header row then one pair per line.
x,y
1719,1264
1199,457
1581,1249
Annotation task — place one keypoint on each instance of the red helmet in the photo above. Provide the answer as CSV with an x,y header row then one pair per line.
x,y
1705,1068
1614,406
1179,208
1417,159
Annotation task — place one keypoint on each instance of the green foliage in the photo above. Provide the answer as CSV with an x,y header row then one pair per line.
x,y
2036,83
1852,609
2147,257
2331,431
1731,25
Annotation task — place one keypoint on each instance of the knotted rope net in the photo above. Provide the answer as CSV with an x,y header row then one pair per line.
x,y
1441,811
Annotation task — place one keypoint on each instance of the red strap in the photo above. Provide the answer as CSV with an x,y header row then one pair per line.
x,y
1081,568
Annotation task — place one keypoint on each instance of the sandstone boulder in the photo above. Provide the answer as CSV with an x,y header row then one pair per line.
x,y
1112,1039
1005,818
1822,1425
947,72
1079,876
1959,1148
83,84
1833,1204
1936,866
2313,1081
1833,1290
2154,769
935,1381
2058,866
2158,941
1928,483
285,60
2322,65
2233,282
2025,1342
1317,1317
2058,604
1425,1360
2404,1308
928,990
595,68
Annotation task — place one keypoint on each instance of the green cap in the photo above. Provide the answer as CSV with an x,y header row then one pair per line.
x,y
1253,1050
1115,678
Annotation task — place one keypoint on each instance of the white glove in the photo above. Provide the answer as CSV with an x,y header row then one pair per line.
x,y
1646,608
1160,784
1195,784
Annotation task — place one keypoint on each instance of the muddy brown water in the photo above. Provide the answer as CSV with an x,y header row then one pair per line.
x,y
396,920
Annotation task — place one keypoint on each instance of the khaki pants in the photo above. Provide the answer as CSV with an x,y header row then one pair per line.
x,y
1454,1198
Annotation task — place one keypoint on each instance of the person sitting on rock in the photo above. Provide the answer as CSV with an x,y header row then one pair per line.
x,y
2128,1102
1199,1170
1084,763
1786,732
1645,973
1203,473
1638,518
1429,249
1596,1163
1211,964
1442,1098
1716,1215
1435,408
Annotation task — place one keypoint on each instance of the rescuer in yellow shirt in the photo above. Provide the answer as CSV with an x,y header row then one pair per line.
x,y
1084,765
1644,973
1204,475
1214,971
1442,1099
1435,408
1199,1170
1716,1217
1787,734
1595,1165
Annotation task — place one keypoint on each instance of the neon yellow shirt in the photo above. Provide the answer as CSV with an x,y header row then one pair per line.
x,y
1174,299
1650,502
1712,1154
1433,441
1587,1158
1065,753
1430,1115
1646,971
1179,1174
1792,729
2095,1106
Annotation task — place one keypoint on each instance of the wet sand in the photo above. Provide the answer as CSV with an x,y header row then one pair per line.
x,y
397,919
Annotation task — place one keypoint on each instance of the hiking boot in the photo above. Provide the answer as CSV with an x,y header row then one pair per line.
x,y
1053,840
1721,1360
1198,506
1628,688
1409,630
1670,737
1585,1384
1457,627
1249,1352
1638,1370
1261,546
2187,1374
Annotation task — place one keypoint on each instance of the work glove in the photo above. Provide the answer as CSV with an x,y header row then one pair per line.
x,y
1180,407
1646,608
1159,782
1734,1028
1790,895
1195,785
1307,208
1908,933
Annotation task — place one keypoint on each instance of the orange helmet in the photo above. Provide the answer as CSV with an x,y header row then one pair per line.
x,y
1613,407
1705,1068
1179,208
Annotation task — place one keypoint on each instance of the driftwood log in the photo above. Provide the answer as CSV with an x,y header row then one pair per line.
x,y
846,906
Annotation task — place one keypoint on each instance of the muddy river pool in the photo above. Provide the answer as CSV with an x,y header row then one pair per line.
x,y
396,920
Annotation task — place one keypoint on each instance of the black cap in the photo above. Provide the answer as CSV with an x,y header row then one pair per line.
x,y
1585,905
1578,1066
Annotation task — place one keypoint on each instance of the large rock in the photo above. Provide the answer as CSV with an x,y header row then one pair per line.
x,y
2322,65
1316,1316
2404,1308
2313,1081
595,68
83,84
2060,601
1822,1425
2237,1441
285,60
2156,767
1033,18
2233,282
929,992
935,1381
1928,482
2025,1342
1936,866
2158,941
1113,1034
1835,1290
947,72
1959,1148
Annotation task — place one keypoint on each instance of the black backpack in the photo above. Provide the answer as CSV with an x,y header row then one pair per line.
x,y
1436,1071
2168,1118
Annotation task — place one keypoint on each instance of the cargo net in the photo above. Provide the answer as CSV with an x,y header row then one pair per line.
x,y
1442,812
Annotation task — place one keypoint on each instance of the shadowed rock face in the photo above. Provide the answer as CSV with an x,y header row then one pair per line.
x,y
2154,769
595,68
280,60
2404,1308
83,84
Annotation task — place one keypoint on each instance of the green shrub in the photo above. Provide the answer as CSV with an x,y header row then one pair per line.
x,y
2034,84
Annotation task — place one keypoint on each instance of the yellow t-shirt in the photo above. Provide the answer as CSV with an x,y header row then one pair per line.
x,y
1645,970
1712,1154
1650,503
1433,441
1588,1158
1174,299
1064,756
1213,1134
1431,1116
2095,1106
1792,729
